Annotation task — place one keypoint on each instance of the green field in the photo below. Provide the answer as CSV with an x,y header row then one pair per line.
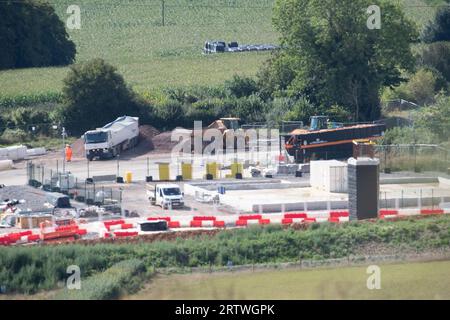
x,y
427,280
130,35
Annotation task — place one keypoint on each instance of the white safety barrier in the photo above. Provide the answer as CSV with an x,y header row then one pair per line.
x,y
6,165
36,152
13,153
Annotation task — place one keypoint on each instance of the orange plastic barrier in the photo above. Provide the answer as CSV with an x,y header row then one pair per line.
x,y
113,222
337,214
67,228
127,226
81,232
168,219
196,224
287,221
21,234
432,211
219,224
204,218
34,237
295,215
333,219
310,220
174,224
384,213
241,223
5,240
264,221
251,217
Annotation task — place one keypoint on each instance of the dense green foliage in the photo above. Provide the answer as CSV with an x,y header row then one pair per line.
x,y
439,28
27,269
95,94
129,35
332,75
332,57
122,277
436,118
29,100
421,87
31,35
436,56
431,125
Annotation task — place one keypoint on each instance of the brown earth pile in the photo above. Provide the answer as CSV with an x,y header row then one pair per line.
x,y
163,142
145,144
78,149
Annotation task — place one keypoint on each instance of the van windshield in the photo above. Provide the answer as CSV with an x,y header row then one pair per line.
x,y
172,191
96,137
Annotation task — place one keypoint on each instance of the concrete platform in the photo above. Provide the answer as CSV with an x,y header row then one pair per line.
x,y
280,196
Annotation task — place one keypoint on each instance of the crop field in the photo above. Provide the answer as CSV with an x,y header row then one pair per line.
x,y
426,280
131,35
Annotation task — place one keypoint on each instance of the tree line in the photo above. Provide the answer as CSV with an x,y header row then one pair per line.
x,y
32,35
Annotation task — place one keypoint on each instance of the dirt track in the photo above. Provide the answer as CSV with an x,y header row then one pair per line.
x,y
151,142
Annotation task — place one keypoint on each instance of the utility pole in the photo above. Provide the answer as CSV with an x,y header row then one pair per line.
x,y
163,12
64,134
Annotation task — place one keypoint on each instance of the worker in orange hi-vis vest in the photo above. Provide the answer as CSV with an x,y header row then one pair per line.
x,y
68,153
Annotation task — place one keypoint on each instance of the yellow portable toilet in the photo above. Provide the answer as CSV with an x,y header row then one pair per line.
x,y
164,171
236,168
211,168
186,171
128,177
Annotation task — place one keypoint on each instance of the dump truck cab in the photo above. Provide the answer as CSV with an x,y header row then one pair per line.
x,y
231,123
318,123
166,195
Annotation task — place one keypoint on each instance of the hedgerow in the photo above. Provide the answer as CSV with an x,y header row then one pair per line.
x,y
29,269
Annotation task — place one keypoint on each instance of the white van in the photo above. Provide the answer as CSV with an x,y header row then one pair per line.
x,y
166,195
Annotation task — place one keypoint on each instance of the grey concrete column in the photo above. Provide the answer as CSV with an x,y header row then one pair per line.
x,y
363,188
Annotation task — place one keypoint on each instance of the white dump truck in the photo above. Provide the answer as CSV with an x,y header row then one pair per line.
x,y
165,195
109,141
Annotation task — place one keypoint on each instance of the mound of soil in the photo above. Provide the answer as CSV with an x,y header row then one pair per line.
x,y
78,149
145,144
162,142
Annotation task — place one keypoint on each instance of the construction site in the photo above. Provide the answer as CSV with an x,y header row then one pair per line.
x,y
124,181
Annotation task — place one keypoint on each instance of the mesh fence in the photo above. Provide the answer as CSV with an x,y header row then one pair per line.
x,y
87,191
413,158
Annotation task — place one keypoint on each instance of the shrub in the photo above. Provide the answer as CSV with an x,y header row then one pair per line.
x,y
241,86
302,110
29,269
12,136
278,109
408,135
206,111
95,94
120,278
436,56
32,35
436,118
45,98
439,28
170,114
420,88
